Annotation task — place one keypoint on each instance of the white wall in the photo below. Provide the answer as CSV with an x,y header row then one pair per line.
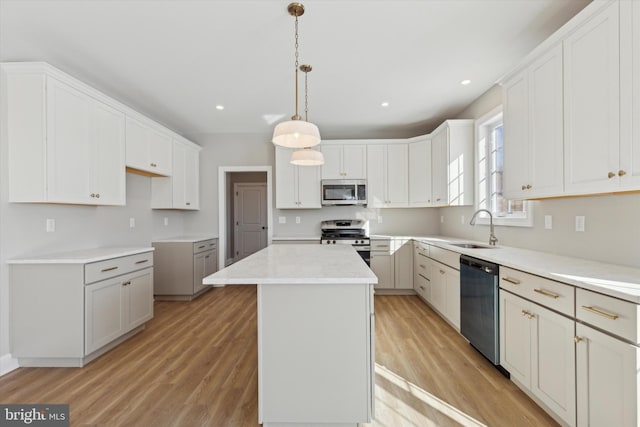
x,y
612,231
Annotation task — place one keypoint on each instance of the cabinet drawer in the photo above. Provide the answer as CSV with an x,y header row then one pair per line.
x,y
421,248
609,314
205,245
102,270
548,293
381,245
450,258
422,286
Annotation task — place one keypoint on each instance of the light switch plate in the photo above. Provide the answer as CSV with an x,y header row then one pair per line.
x,y
379,219
461,219
297,220
548,222
132,222
51,225
580,223
166,221
282,220
441,219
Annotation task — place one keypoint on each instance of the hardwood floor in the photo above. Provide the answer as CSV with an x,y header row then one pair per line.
x,y
196,365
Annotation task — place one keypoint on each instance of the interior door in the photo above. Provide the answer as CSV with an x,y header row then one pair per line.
x,y
250,218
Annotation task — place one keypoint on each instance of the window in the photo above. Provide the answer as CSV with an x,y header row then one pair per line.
x,y
489,166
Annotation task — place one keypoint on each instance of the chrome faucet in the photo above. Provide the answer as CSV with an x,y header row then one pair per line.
x,y
492,237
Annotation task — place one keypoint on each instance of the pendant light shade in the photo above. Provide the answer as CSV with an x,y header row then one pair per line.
x,y
296,134
307,157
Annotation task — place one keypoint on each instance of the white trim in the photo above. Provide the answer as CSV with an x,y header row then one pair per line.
x,y
483,219
222,205
8,364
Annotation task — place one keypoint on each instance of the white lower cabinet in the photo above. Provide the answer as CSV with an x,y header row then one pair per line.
x,y
382,265
84,307
403,264
116,306
422,271
445,292
537,348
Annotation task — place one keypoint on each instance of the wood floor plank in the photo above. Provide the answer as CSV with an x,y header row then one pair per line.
x,y
195,364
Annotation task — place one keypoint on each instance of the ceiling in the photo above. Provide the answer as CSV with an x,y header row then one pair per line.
x,y
175,60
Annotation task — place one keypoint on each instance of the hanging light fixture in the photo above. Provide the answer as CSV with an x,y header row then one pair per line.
x,y
306,156
296,133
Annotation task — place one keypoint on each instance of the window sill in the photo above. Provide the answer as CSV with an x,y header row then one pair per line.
x,y
507,222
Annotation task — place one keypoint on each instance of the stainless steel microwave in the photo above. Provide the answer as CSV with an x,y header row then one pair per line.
x,y
344,192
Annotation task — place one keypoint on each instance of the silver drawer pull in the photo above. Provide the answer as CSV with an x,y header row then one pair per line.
x,y
142,261
600,312
441,271
203,246
422,287
381,246
207,256
108,269
425,278
422,266
126,283
547,293
510,280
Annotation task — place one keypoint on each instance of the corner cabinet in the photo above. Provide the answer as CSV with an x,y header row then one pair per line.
x,y
88,302
297,187
66,143
452,164
182,189
388,175
344,160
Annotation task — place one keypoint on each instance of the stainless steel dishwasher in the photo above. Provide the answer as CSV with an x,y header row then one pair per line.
x,y
479,310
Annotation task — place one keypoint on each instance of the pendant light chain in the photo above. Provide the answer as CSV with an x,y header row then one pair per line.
x,y
306,97
296,117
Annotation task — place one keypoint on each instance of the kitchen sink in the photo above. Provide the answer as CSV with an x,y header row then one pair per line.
x,y
472,246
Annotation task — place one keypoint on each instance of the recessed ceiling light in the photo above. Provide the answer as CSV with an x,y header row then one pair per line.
x,y
465,82
384,104
219,107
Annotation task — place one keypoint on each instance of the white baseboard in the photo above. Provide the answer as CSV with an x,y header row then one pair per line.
x,y
7,364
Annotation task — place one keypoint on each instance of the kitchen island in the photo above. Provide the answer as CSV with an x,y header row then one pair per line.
x,y
315,333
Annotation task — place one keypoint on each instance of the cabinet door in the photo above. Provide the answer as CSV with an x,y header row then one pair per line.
x,y
592,104
160,152
398,175
104,313
286,180
438,287
439,167
199,271
606,379
553,362
516,132
332,168
177,180
354,161
70,152
309,187
452,291
420,173
137,145
109,160
403,264
139,295
383,267
545,154
192,178
376,176
515,337
210,263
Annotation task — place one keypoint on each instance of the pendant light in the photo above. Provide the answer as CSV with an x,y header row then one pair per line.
x,y
306,156
296,133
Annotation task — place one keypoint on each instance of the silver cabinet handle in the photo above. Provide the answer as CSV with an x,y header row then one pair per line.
x,y
203,246
600,312
188,203
547,293
108,269
126,283
511,280
142,261
422,266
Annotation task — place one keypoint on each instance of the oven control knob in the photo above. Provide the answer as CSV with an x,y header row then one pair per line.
x,y
334,242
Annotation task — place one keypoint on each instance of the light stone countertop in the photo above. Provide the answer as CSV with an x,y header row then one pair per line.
x,y
83,256
610,279
184,239
293,238
297,264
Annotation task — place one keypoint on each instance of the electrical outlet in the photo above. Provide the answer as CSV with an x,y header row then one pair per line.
x,y
580,223
548,222
462,219
297,220
132,222
51,225
282,220
166,221
379,219
441,219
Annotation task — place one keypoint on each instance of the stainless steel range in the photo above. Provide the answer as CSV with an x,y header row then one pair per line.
x,y
354,232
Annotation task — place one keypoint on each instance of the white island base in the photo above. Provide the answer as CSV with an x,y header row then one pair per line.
x,y
315,334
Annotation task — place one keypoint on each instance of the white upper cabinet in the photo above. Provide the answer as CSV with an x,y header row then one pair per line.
x,y
297,187
148,148
592,104
388,175
452,164
65,145
344,161
182,189
533,129
420,172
